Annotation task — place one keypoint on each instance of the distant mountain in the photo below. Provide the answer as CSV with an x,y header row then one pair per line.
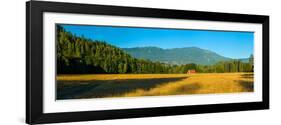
x,y
177,55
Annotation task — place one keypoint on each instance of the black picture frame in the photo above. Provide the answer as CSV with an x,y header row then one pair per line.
x,y
34,61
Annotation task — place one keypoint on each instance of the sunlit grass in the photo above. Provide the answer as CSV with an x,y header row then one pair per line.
x,y
201,84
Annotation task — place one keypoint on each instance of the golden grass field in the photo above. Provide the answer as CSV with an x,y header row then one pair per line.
x,y
130,85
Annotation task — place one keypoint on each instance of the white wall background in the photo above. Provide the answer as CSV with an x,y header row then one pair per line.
x,y
12,62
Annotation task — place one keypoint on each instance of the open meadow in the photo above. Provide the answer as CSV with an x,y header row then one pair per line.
x,y
131,85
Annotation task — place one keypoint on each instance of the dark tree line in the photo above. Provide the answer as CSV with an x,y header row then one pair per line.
x,y
78,55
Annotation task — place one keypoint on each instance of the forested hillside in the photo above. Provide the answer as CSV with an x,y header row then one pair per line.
x,y
79,55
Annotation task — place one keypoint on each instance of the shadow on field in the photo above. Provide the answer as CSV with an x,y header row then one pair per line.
x,y
247,85
247,76
106,88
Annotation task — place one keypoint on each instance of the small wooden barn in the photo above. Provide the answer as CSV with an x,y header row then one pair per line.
x,y
191,71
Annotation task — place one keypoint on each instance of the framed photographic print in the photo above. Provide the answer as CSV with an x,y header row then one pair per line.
x,y
95,62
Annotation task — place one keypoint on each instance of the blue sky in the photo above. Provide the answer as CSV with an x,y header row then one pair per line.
x,y
228,44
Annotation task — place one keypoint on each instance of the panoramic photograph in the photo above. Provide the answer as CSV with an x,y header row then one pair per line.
x,y
114,62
